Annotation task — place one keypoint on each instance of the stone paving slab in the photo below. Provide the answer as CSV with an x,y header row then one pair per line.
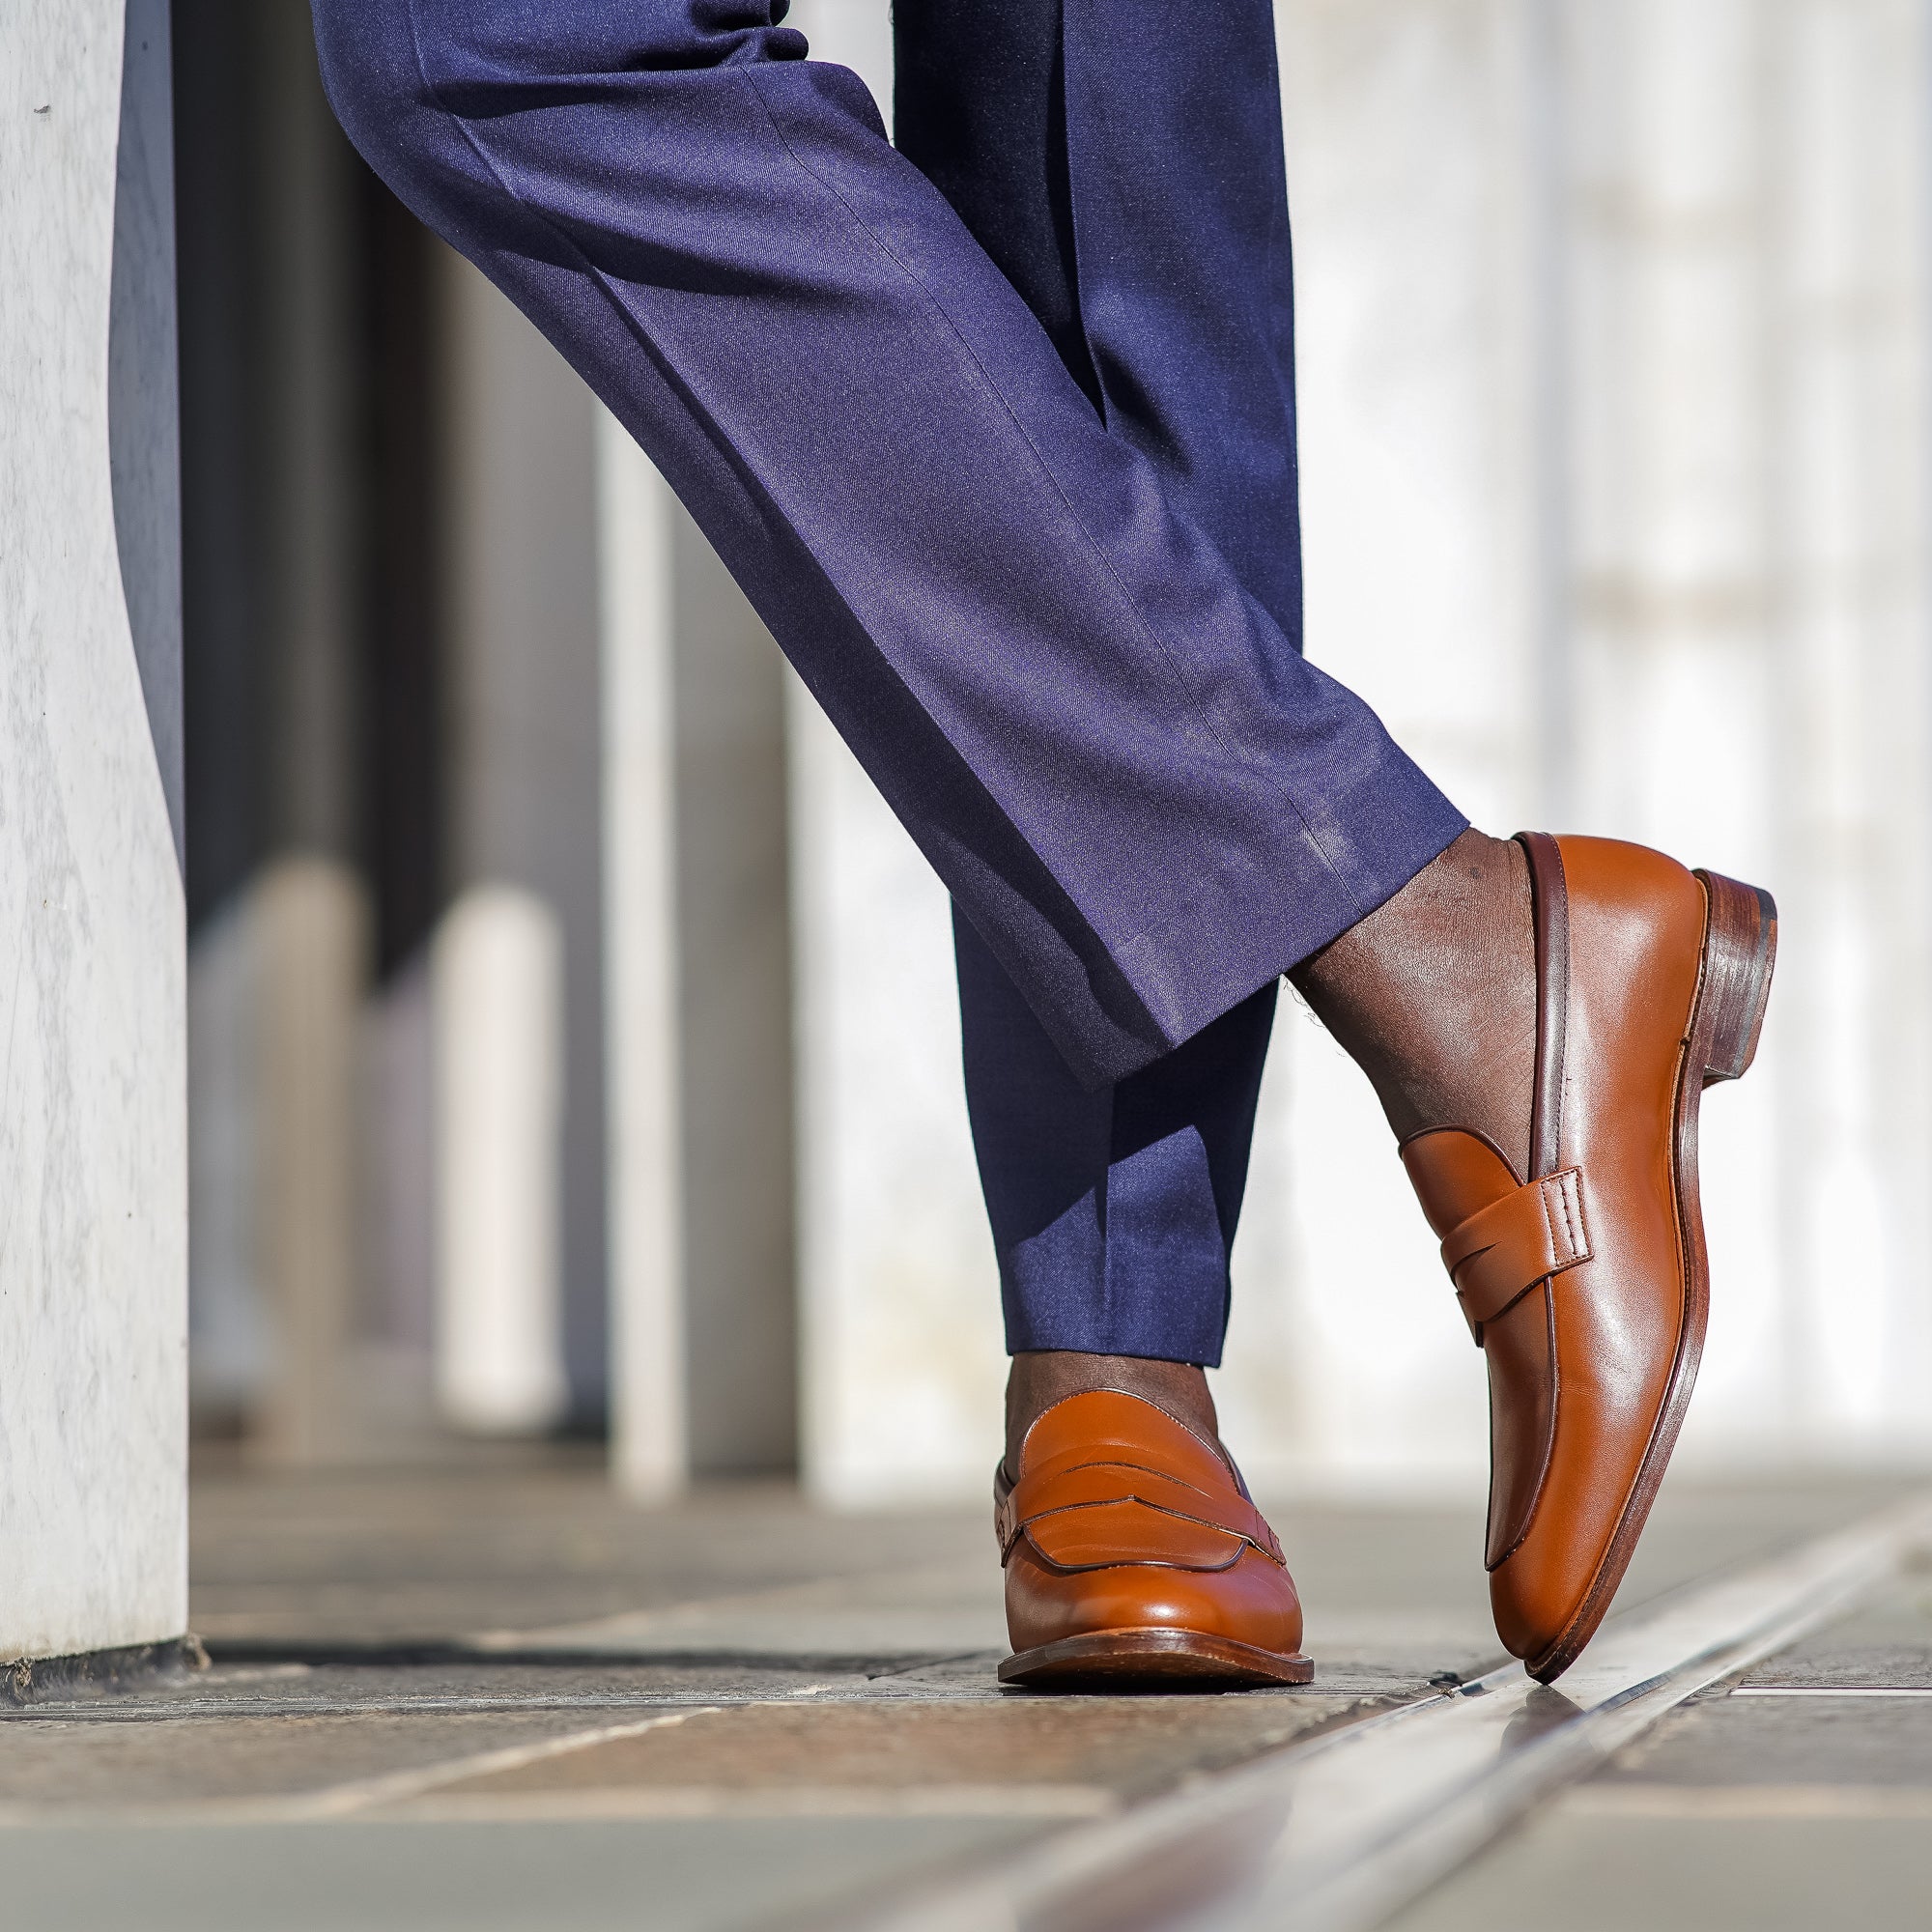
x,y
1750,1808
678,1875
501,1698
1129,1746
1731,1743
1577,1873
1885,1642
49,1767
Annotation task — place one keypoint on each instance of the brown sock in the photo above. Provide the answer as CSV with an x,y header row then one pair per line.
x,y
1041,1377
1434,995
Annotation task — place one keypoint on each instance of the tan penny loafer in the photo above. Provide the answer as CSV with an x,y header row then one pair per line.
x,y
1584,1282
1134,1557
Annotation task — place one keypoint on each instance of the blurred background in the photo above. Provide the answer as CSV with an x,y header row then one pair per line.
x,y
573,1041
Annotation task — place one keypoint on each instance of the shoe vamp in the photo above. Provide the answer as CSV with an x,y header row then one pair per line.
x,y
1095,1534
1253,1601
1521,1349
1618,1317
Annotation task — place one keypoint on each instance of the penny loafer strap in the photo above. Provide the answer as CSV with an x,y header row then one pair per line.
x,y
1503,1250
1086,1485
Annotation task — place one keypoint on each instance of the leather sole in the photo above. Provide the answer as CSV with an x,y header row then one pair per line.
x,y
1155,1659
1727,1018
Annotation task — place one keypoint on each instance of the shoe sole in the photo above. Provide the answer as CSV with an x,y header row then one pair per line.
x,y
1727,1018
1159,1660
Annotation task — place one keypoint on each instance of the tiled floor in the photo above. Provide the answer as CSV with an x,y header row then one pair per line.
x,y
1800,1797
499,1698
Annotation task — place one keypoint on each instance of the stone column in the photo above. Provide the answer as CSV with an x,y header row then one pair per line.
x,y
280,912
734,1016
649,1443
699,1017
93,1263
615,1126
309,902
516,976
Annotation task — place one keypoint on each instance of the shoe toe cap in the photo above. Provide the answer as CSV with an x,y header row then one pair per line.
x,y
1252,1600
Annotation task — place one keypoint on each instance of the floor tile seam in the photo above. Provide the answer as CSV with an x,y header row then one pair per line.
x,y
1065,1802
217,1710
1426,1843
407,1651
894,1692
350,1796
1829,1690
775,1600
1703,1802
776,1697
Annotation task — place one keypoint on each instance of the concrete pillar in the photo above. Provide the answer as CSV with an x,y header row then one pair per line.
x,y
734,1021
649,1443
309,899
498,999
519,1042
223,668
902,1356
93,1265
617,747
699,1018
310,917
276,896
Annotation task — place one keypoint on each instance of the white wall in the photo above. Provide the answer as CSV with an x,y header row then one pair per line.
x,y
92,1223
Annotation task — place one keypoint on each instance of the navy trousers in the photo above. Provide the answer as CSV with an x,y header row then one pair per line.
x,y
1157,262
1037,563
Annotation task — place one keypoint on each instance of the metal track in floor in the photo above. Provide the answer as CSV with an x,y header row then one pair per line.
x,y
1336,1834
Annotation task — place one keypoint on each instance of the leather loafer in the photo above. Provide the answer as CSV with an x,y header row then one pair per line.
x,y
1584,1281
1134,1555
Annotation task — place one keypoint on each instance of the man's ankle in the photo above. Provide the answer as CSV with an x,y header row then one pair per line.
x,y
1434,995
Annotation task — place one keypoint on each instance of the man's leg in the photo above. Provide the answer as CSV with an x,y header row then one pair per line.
x,y
1143,800
1113,1210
